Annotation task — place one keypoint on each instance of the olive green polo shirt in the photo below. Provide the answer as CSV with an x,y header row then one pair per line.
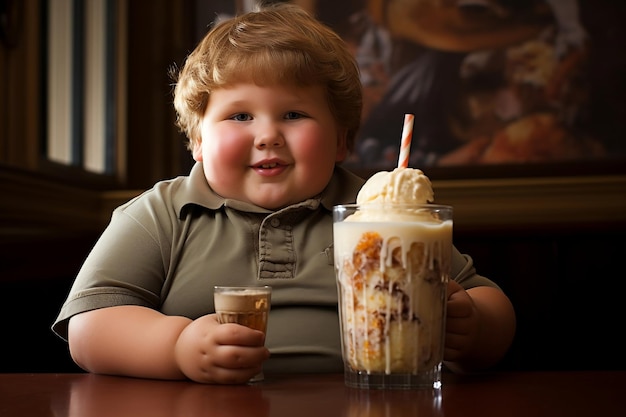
x,y
167,248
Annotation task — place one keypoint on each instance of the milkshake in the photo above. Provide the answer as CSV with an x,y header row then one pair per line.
x,y
392,258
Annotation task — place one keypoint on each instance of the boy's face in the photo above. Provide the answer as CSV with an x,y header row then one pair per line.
x,y
269,145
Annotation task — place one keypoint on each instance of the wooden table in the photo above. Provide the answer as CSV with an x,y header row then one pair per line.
x,y
527,394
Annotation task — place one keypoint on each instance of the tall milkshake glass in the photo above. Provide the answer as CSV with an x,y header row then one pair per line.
x,y
392,263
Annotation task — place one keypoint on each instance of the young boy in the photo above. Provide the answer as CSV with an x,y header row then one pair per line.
x,y
271,103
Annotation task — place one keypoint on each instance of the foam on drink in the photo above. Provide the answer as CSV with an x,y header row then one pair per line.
x,y
246,306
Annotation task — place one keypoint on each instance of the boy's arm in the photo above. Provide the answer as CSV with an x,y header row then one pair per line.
x,y
480,327
126,340
141,342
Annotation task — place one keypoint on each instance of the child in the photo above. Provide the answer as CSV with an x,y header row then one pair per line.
x,y
271,103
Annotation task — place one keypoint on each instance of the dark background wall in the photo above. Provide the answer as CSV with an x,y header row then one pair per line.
x,y
567,290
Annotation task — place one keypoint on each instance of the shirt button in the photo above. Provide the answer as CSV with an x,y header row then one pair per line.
x,y
275,222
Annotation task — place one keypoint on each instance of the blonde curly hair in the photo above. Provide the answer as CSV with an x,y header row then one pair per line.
x,y
278,44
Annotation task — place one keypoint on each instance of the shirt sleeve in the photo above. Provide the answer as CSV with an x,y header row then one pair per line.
x,y
125,267
464,272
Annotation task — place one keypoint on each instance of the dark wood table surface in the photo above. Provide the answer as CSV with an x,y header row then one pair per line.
x,y
507,394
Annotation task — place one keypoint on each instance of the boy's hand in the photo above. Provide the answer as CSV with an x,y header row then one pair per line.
x,y
462,323
209,352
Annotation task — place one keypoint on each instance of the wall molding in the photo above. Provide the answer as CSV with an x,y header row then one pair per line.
x,y
535,202
32,204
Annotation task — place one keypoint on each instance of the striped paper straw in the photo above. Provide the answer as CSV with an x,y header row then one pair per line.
x,y
405,145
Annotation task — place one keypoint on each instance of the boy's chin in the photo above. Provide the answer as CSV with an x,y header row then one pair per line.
x,y
275,203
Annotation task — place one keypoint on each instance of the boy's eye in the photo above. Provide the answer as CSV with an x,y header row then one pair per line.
x,y
293,115
241,117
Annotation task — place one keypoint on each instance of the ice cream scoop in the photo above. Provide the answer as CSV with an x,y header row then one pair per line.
x,y
400,186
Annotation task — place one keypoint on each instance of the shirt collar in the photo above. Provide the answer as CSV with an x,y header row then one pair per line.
x,y
342,188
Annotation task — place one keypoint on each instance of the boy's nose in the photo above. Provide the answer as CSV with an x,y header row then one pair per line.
x,y
269,136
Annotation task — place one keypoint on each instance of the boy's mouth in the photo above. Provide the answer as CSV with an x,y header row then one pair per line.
x,y
268,166
269,163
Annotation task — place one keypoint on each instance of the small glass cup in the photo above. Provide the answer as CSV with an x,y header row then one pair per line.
x,y
393,264
248,306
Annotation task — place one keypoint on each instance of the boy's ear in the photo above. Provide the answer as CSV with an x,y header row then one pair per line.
x,y
196,151
342,147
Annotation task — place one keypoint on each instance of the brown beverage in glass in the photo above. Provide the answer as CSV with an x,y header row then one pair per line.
x,y
248,306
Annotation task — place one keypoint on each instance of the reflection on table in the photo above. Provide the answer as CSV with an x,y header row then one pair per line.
x,y
498,394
